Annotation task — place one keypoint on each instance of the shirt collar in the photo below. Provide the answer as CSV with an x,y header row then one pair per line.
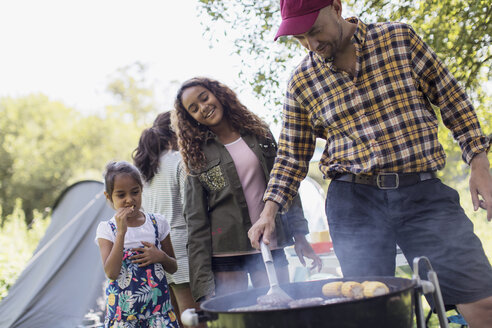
x,y
360,30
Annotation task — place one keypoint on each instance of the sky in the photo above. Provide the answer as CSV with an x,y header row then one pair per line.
x,y
68,49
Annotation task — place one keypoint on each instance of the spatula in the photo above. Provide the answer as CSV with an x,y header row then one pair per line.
x,y
275,295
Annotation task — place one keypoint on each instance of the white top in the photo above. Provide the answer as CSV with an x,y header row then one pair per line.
x,y
164,194
135,235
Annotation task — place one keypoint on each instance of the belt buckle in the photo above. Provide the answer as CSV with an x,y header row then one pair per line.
x,y
380,184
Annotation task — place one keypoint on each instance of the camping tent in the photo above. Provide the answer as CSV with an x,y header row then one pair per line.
x,y
64,279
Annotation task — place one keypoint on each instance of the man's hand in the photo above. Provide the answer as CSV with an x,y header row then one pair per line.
x,y
304,249
481,184
265,225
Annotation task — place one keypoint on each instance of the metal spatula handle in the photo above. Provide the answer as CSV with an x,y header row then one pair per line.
x,y
270,268
265,252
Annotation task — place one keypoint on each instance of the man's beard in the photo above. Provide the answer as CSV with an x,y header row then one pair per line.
x,y
336,46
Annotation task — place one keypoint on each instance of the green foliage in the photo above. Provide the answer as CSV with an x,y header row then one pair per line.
x,y
459,32
134,94
262,61
38,142
17,245
46,146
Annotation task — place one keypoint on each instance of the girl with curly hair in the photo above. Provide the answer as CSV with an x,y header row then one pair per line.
x,y
229,153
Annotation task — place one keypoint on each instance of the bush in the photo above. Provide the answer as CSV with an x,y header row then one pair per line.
x,y
17,243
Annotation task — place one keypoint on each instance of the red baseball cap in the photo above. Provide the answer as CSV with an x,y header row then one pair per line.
x,y
299,15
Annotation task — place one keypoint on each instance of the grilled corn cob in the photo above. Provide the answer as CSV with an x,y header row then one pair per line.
x,y
375,288
332,289
352,289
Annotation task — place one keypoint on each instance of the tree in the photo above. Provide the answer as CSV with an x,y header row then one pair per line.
x,y
37,143
134,94
46,146
264,63
459,32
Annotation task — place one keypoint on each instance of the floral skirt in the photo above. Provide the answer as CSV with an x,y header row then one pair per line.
x,y
139,298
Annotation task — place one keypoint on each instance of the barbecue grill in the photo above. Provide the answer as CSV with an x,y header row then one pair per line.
x,y
393,310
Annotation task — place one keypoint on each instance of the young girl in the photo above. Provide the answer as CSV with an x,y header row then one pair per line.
x,y
229,152
136,251
158,159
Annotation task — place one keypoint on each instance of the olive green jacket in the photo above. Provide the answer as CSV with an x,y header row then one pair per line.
x,y
217,214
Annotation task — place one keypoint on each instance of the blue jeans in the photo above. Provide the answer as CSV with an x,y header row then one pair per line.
x,y
425,219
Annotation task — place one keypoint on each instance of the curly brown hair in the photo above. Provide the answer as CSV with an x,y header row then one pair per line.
x,y
192,135
153,142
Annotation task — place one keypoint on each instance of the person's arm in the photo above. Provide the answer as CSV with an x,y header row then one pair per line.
x,y
112,256
181,179
443,90
303,249
112,253
195,211
295,150
458,114
169,261
481,184
298,225
264,227
295,217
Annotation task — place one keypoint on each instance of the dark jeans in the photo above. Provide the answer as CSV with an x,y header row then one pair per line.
x,y
425,219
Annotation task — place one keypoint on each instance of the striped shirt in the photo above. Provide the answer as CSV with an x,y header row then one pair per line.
x,y
164,195
379,120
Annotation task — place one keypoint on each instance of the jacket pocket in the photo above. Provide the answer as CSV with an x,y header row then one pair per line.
x,y
213,178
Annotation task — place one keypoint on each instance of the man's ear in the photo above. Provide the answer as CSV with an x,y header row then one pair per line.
x,y
337,6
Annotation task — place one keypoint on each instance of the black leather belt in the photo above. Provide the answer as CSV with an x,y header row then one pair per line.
x,y
387,180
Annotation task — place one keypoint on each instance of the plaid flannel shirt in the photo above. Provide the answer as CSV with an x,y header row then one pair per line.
x,y
380,120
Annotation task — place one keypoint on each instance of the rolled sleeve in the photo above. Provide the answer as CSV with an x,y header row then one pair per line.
x,y
444,91
295,150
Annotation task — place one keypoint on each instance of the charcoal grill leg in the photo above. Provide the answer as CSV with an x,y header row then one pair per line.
x,y
425,287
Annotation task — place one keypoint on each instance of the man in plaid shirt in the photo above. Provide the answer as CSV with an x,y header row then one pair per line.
x,y
367,89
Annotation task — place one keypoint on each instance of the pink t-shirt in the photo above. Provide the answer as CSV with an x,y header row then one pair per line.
x,y
250,174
